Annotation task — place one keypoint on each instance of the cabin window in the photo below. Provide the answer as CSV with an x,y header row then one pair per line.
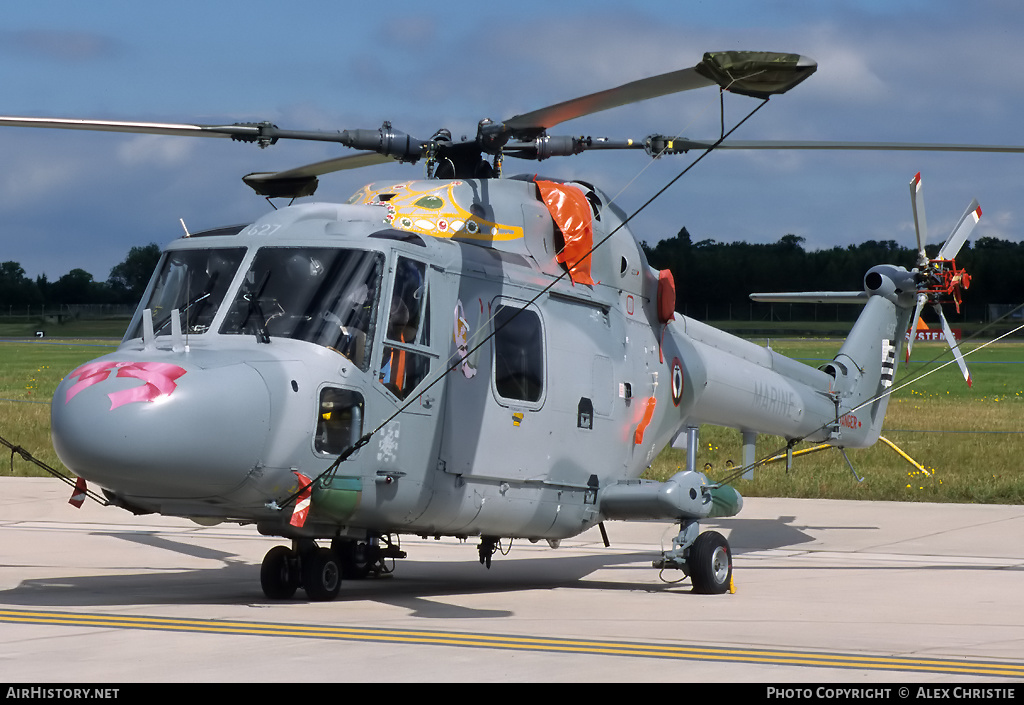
x,y
194,283
339,421
518,354
326,296
405,361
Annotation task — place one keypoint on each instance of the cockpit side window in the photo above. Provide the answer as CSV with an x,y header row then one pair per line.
x,y
408,319
405,363
327,296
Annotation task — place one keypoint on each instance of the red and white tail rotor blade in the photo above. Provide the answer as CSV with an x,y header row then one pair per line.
x,y
954,346
921,299
961,232
920,224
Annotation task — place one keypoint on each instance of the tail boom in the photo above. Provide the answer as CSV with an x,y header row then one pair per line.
x,y
738,384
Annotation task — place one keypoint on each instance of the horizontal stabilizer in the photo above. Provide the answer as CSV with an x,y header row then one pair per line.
x,y
813,297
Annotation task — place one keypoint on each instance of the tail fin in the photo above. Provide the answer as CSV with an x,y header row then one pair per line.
x,y
864,367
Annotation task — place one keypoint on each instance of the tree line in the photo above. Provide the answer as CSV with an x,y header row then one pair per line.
x,y
125,285
706,272
716,273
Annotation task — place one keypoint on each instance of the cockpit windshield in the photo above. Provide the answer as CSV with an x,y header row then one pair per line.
x,y
193,282
326,296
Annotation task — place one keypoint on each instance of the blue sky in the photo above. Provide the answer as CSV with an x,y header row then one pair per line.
x,y
928,71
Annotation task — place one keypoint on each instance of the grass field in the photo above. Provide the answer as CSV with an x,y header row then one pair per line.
x,y
29,374
90,328
970,440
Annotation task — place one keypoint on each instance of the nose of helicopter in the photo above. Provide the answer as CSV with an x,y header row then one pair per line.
x,y
161,429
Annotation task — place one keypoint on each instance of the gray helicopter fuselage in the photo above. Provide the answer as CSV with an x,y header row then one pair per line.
x,y
265,351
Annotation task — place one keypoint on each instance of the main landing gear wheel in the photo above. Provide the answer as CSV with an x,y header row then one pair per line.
x,y
321,574
709,564
279,573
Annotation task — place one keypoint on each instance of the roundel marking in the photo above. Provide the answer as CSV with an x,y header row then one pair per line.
x,y
677,381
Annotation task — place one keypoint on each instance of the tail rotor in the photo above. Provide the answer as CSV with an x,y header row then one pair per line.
x,y
940,280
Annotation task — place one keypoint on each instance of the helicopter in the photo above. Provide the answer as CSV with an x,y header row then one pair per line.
x,y
461,355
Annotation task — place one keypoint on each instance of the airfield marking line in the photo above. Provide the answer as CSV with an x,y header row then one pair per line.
x,y
649,650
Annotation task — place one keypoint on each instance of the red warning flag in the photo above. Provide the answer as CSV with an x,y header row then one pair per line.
x,y
80,493
302,501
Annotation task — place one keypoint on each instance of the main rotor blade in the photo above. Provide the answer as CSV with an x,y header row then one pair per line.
x,y
953,345
262,132
645,88
758,74
961,232
328,166
302,181
150,128
920,224
849,146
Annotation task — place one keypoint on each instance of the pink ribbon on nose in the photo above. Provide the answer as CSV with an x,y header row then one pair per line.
x,y
159,378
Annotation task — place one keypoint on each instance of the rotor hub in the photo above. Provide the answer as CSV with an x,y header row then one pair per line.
x,y
943,282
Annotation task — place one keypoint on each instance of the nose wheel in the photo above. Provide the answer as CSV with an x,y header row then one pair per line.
x,y
319,571
279,574
285,570
321,574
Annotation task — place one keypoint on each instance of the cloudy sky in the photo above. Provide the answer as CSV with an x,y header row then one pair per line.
x,y
889,70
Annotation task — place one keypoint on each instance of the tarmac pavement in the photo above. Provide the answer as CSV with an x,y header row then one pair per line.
x,y
825,592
